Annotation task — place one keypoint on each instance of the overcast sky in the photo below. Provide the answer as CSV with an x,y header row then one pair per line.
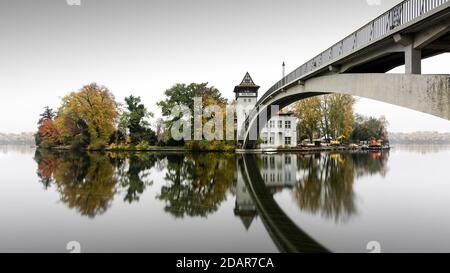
x,y
143,47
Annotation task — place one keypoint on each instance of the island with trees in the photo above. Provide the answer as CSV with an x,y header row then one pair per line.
x,y
92,119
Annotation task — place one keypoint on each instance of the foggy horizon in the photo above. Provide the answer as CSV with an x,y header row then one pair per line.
x,y
142,48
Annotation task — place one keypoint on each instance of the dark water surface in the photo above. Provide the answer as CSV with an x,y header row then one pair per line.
x,y
157,202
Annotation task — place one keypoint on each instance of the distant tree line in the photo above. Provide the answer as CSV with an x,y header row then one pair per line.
x,y
420,138
17,139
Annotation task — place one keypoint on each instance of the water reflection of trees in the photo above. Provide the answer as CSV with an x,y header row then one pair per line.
x,y
194,185
135,174
85,182
326,181
88,182
197,183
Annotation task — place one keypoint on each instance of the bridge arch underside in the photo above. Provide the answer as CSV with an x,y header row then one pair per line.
x,y
428,94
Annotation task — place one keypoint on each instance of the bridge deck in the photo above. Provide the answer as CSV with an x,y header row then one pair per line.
x,y
402,16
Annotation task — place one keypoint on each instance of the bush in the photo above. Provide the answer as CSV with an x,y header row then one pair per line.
x,y
97,145
210,146
143,146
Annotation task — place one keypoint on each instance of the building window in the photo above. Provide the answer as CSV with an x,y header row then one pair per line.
x,y
280,124
287,124
265,140
272,124
272,140
287,141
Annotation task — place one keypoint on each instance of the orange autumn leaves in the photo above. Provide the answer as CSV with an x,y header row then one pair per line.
x,y
86,119
49,132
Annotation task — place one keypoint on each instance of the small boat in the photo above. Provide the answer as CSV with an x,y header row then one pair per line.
x,y
375,147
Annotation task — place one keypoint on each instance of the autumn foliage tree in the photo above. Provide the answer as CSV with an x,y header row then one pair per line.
x,y
328,116
309,113
87,118
48,134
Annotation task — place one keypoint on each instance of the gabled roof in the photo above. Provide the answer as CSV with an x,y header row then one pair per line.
x,y
247,81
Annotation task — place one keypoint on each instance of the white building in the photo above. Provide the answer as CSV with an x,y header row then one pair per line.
x,y
280,131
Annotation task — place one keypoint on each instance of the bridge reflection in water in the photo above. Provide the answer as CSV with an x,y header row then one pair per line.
x,y
196,185
285,234
321,183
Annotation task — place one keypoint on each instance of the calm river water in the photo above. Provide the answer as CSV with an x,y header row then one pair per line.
x,y
156,202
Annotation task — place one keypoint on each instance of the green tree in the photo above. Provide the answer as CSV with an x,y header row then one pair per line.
x,y
366,128
48,114
135,119
183,94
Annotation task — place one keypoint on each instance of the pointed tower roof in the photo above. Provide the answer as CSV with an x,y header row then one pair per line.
x,y
246,216
247,82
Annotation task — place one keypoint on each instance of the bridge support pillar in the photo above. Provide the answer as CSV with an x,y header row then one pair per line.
x,y
413,60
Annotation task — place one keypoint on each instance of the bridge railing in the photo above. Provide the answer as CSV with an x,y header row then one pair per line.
x,y
382,26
